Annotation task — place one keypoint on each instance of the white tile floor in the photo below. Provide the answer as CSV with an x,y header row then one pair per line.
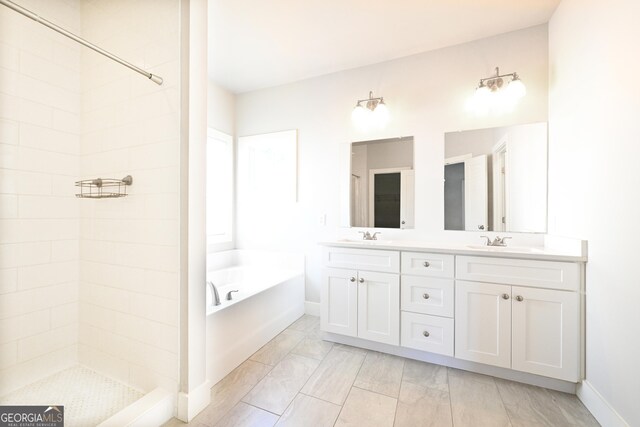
x,y
299,380
88,397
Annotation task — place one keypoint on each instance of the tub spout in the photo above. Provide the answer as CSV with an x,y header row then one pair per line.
x,y
214,292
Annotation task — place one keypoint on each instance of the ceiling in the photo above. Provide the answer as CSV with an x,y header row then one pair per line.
x,y
255,44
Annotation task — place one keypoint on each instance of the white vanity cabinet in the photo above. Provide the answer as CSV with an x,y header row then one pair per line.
x,y
521,314
427,295
522,326
361,298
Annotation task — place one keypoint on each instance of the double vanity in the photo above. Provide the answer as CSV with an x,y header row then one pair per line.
x,y
513,312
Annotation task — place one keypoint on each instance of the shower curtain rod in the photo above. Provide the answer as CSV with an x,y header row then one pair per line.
x,y
21,10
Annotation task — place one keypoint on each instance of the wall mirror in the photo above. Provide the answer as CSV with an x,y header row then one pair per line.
x,y
496,179
382,183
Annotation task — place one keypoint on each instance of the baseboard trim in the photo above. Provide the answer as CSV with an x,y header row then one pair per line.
x,y
192,403
312,308
598,406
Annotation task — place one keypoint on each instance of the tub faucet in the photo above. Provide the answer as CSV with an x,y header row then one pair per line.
x,y
214,292
229,294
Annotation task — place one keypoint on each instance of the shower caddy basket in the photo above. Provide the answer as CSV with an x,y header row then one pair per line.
x,y
103,188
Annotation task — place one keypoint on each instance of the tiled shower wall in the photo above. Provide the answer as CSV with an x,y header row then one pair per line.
x,y
39,162
129,247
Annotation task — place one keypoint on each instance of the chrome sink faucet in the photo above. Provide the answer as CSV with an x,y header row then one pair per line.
x,y
498,241
368,236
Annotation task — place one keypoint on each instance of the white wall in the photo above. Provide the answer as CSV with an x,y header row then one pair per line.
x,y
39,149
130,254
594,103
221,109
426,95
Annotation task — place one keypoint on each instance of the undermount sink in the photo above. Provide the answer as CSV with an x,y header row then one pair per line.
x,y
366,242
504,248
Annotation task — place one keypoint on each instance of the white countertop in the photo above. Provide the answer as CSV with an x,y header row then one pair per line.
x,y
573,253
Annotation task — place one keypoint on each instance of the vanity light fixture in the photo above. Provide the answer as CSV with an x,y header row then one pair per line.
x,y
370,113
492,94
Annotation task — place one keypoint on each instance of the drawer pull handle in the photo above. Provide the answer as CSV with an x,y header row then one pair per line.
x,y
426,264
361,280
426,334
425,295
519,298
505,296
353,279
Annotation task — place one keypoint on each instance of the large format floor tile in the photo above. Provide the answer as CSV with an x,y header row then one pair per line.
x,y
366,408
423,406
425,374
306,410
276,349
313,346
228,391
243,415
528,405
475,401
299,380
380,373
335,375
276,391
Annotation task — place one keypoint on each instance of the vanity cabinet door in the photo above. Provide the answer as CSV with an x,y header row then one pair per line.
x,y
379,307
483,323
339,308
545,332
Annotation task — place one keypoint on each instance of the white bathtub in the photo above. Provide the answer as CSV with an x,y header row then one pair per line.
x,y
270,297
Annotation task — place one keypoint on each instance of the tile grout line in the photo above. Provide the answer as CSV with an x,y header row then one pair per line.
x,y
395,414
504,405
305,333
351,387
446,370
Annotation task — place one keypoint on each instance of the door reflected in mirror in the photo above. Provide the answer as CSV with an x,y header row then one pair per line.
x,y
382,183
496,179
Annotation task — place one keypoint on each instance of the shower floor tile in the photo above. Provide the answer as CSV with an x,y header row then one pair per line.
x,y
88,397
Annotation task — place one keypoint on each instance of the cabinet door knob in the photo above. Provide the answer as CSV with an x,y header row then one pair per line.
x,y
425,295
353,279
505,296
481,227
403,222
519,298
361,280
426,264
426,333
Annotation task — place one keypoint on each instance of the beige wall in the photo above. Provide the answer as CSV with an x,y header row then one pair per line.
x,y
594,146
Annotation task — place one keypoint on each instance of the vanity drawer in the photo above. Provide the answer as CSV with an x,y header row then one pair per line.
x,y
541,274
427,295
362,259
428,264
427,333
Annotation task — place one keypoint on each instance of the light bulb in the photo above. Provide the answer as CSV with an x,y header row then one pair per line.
x,y
480,101
516,88
380,115
359,116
